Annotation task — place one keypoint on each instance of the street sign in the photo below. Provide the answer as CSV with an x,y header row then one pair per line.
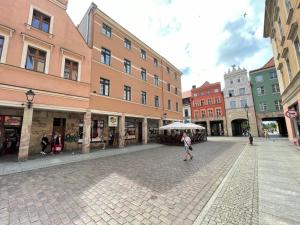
x,y
291,113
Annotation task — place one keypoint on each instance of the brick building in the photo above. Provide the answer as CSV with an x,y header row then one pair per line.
x,y
208,108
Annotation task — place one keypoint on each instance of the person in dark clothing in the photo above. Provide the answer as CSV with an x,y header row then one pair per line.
x,y
44,143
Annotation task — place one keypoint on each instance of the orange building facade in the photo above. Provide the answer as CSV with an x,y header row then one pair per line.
x,y
129,81
41,49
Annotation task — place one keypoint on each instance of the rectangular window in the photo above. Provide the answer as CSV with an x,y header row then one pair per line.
x,y
216,90
169,87
203,113
143,74
106,30
143,97
177,107
127,66
263,107
202,102
155,62
288,6
127,93
41,21
169,105
218,112
278,105
195,95
196,115
210,113
186,112
156,101
156,80
244,103
176,91
105,56
127,43
239,80
259,78
297,48
232,104
275,88
36,60
260,90
288,65
280,28
242,91
1,45
217,101
71,70
168,70
104,87
231,93
273,75
143,54
175,76
209,101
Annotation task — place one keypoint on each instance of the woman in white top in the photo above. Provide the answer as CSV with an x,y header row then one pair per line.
x,y
187,143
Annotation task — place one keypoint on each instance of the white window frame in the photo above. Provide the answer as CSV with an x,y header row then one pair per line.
x,y
29,21
25,50
64,57
5,46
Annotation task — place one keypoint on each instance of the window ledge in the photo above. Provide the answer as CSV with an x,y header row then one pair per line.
x,y
29,27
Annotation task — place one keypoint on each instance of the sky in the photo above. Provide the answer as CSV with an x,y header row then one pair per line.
x,y
201,38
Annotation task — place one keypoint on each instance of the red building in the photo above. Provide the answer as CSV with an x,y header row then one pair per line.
x,y
208,108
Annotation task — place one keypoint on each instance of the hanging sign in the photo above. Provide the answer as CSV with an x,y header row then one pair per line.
x,y
291,113
112,121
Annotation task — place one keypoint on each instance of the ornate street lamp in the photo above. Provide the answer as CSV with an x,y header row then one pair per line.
x,y
30,96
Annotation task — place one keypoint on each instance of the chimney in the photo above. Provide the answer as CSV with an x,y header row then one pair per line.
x,y
194,86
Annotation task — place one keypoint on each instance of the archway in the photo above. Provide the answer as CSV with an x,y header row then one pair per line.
x,y
239,126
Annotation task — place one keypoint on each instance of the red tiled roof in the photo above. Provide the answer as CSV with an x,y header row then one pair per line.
x,y
186,94
269,64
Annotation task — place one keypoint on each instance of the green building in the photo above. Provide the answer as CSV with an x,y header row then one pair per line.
x,y
266,97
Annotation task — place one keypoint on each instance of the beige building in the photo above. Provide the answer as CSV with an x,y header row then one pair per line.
x,y
281,25
240,113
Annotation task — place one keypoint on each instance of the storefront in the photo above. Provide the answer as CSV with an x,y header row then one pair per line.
x,y
133,131
153,131
10,134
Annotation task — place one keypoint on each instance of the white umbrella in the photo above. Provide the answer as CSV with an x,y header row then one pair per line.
x,y
181,126
195,126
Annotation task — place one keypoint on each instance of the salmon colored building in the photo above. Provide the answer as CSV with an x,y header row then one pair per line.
x,y
208,108
42,50
130,82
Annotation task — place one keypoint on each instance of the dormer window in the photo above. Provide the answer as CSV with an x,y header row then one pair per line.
x,y
41,21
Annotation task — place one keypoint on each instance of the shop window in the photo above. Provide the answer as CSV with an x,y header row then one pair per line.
x,y
143,74
35,60
130,130
127,93
105,56
106,30
127,43
143,97
104,87
71,70
97,128
41,21
1,45
127,66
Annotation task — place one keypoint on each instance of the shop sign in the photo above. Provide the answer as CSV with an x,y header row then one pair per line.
x,y
112,121
291,113
12,121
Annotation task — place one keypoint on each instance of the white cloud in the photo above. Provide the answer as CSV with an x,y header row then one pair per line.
x,y
187,33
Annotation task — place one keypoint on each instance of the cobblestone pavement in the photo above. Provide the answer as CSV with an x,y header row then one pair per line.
x,y
147,187
236,200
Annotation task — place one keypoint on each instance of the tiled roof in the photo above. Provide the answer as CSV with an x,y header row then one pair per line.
x,y
186,94
268,65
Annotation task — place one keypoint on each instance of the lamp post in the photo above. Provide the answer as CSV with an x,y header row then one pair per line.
x,y
247,109
30,96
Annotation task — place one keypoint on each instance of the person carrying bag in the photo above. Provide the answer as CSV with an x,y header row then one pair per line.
x,y
187,146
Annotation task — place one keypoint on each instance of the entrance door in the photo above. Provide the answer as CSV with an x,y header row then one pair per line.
x,y
59,125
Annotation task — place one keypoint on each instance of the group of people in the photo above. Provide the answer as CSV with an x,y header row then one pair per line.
x,y
55,144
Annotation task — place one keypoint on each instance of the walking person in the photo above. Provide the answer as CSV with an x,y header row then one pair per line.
x,y
56,143
187,146
44,143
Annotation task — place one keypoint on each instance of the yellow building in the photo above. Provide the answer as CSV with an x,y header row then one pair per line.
x,y
281,26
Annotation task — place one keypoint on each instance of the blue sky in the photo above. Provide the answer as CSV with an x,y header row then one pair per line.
x,y
201,38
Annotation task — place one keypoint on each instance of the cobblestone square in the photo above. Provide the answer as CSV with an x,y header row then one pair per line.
x,y
148,187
